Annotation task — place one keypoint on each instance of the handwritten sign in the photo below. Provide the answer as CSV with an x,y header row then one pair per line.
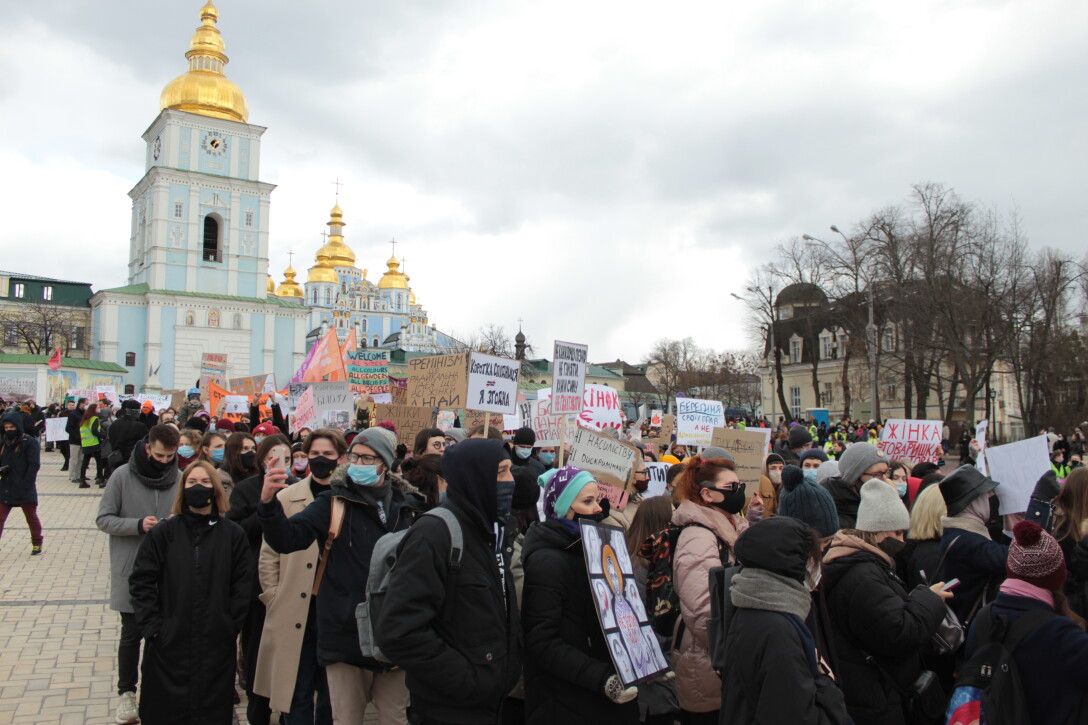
x,y
617,497
569,377
658,476
368,371
537,414
253,385
473,418
54,429
748,448
409,419
1017,467
439,380
158,402
492,384
600,408
697,419
18,389
305,415
610,460
913,440
398,391
332,396
980,441
213,369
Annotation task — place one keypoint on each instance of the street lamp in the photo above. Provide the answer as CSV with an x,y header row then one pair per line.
x,y
770,340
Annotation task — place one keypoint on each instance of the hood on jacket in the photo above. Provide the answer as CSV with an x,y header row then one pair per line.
x,y
690,512
548,535
780,545
16,419
471,472
843,545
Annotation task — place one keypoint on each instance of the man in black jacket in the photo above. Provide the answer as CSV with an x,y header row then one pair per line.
x,y
75,444
127,430
457,634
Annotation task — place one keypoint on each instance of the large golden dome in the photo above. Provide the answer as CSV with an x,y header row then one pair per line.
x,y
290,287
322,270
203,88
339,254
393,278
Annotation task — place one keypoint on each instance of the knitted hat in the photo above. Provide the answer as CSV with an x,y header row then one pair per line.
x,y
147,407
827,469
816,453
716,452
265,429
774,458
225,424
1035,557
807,502
881,509
380,441
524,437
561,486
799,436
457,434
856,460
670,458
388,425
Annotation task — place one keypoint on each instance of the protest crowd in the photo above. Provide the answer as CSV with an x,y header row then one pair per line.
x,y
484,560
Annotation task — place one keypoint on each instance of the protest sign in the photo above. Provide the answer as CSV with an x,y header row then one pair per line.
x,y
610,460
600,408
537,414
664,436
438,381
445,421
332,396
54,429
658,471
77,393
253,385
697,419
368,371
635,651
1017,467
980,441
109,392
398,391
493,384
213,369
655,418
569,377
748,448
336,419
17,389
409,420
913,440
237,404
158,402
305,415
474,418
294,393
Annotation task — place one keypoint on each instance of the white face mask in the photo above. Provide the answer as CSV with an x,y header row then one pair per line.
x,y
813,573
775,476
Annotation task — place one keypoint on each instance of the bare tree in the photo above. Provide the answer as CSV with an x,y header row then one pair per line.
x,y
41,328
671,365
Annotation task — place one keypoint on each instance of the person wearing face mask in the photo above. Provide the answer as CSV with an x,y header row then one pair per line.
x,y
547,456
212,446
880,632
898,473
138,495
188,447
569,675
239,460
810,460
20,458
975,559
771,674
376,502
300,462
460,645
763,503
859,463
712,498
523,452
641,482
190,590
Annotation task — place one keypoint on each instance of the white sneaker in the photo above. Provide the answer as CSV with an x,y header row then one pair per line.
x,y
127,711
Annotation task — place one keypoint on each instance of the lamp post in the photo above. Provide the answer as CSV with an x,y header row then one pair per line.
x,y
770,340
870,329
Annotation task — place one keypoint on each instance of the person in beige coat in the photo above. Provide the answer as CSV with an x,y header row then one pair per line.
x,y
712,497
287,669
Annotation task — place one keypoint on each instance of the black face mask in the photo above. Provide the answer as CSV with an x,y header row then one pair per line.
x,y
606,510
158,466
198,496
733,500
504,499
248,459
11,434
891,546
321,467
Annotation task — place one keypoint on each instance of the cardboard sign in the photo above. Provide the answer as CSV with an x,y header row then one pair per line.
x,y
1017,467
213,369
473,418
445,421
368,371
236,404
439,381
253,385
617,497
569,365
54,429
664,436
492,384
748,448
658,472
635,651
611,461
913,440
409,419
305,415
697,419
537,414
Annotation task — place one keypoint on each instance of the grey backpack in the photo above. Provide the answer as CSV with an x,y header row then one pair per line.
x,y
382,562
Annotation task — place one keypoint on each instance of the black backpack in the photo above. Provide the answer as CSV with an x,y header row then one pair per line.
x,y
988,689
662,599
721,579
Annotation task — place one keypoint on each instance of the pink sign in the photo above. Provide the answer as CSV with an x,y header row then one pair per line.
x,y
913,440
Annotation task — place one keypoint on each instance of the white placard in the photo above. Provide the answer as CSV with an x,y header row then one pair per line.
x,y
54,429
658,471
913,440
696,420
536,414
493,384
980,440
235,404
1017,468
612,461
569,364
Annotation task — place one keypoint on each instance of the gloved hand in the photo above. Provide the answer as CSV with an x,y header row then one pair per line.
x,y
1047,487
614,691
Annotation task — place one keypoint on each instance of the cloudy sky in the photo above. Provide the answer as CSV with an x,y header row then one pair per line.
x,y
607,171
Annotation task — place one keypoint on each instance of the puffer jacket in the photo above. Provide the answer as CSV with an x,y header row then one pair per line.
x,y
846,498
22,459
697,686
872,616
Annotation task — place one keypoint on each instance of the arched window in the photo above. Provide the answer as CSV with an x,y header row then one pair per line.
x,y
363,342
189,319
237,322
213,318
375,341
328,296
211,239
362,325
130,359
313,297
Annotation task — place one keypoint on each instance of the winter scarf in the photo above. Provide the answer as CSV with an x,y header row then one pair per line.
x,y
1021,588
968,520
147,475
762,589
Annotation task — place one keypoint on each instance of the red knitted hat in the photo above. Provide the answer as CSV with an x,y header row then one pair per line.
x,y
1035,557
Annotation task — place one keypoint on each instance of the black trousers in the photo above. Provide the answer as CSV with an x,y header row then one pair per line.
x,y
128,654
94,452
257,709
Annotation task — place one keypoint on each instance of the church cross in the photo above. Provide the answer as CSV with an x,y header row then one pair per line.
x,y
324,234
337,184
290,258
394,243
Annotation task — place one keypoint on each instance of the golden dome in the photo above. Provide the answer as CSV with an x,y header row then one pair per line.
x,y
339,254
203,88
411,297
393,279
271,285
290,287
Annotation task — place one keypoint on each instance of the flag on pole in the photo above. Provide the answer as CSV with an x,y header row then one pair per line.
x,y
350,343
327,362
55,361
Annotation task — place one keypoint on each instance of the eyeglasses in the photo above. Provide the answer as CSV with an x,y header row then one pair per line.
x,y
438,445
363,458
883,475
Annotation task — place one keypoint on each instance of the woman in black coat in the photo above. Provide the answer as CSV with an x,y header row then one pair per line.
x,y
771,674
190,589
569,675
20,460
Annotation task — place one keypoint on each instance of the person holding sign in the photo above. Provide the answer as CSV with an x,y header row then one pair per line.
x,y
569,674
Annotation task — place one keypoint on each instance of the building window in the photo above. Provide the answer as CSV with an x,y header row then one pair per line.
x,y
18,290
795,350
130,359
237,322
795,401
213,318
375,342
11,335
362,325
825,396
130,390
188,319
47,292
889,341
211,239
249,218
891,390
328,296
826,347
179,210
77,338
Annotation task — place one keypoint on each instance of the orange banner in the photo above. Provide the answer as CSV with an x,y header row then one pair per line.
x,y
327,362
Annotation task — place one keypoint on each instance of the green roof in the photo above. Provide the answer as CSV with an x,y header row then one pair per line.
x,y
68,362
142,289
522,385
592,371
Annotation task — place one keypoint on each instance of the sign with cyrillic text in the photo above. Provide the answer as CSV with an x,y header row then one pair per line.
x,y
913,440
492,384
569,377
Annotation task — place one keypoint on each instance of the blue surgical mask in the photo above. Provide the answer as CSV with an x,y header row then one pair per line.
x,y
186,451
217,454
546,458
901,488
523,452
258,439
442,497
363,475
810,475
